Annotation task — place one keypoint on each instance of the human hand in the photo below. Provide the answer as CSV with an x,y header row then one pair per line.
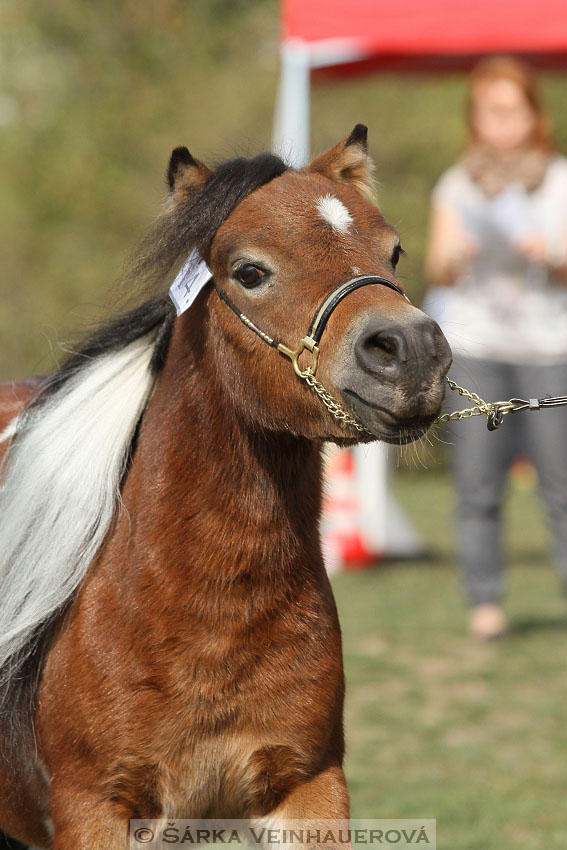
x,y
462,252
532,248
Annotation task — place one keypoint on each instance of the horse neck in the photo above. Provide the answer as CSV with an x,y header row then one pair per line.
x,y
226,491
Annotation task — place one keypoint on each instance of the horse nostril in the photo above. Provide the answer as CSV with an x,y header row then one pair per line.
x,y
381,351
430,340
381,343
386,350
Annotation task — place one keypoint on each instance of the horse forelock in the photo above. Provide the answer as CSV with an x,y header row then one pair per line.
x,y
231,183
195,221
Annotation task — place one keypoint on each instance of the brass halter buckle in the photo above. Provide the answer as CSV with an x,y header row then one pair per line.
x,y
306,343
311,341
321,317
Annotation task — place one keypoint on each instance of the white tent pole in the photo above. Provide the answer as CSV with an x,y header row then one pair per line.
x,y
292,118
292,115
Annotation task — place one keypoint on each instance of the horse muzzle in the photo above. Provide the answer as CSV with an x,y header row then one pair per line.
x,y
394,379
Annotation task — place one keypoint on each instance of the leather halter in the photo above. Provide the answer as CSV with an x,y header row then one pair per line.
x,y
319,322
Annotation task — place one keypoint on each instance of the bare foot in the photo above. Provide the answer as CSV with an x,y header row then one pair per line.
x,y
487,622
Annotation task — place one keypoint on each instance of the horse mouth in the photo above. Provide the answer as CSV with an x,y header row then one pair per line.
x,y
384,424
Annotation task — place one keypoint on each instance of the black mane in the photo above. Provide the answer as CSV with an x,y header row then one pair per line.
x,y
191,223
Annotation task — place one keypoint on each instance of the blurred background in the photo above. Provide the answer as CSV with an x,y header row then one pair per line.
x,y
93,97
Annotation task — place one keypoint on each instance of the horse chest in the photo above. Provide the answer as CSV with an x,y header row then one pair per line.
x,y
251,681
250,713
221,777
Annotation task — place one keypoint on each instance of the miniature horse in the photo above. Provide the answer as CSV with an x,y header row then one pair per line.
x,y
169,640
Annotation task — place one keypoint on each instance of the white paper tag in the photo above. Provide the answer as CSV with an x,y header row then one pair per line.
x,y
193,275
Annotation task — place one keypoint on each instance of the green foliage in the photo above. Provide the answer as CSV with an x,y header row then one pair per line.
x,y
93,97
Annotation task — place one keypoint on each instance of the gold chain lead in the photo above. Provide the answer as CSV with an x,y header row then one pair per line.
x,y
480,407
333,406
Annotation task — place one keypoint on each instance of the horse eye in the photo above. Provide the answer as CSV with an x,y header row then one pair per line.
x,y
396,254
249,275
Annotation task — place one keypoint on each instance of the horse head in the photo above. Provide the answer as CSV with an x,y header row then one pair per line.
x,y
275,258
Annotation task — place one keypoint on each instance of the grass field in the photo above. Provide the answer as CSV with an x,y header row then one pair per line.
x,y
439,726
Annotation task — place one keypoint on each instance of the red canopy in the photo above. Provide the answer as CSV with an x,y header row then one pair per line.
x,y
352,36
428,34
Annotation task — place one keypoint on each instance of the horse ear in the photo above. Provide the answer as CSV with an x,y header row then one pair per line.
x,y
185,173
349,162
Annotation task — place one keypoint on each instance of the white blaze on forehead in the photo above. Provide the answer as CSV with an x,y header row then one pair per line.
x,y
334,213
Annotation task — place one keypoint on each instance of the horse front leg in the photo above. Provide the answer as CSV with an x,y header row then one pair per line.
x,y
320,803
81,821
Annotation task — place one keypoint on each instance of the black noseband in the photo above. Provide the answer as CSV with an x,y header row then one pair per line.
x,y
336,295
320,319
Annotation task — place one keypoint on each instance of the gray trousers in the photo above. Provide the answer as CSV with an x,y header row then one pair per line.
x,y
481,459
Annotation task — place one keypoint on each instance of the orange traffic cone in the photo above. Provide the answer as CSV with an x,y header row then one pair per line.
x,y
343,542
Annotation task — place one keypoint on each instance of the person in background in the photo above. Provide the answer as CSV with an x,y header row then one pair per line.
x,y
497,257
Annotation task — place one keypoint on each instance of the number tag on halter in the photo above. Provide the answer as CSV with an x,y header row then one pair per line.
x,y
193,275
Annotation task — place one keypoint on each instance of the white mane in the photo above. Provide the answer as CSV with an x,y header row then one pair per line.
x,y
10,430
60,487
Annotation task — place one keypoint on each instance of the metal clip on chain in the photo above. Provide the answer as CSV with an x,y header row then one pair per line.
x,y
495,411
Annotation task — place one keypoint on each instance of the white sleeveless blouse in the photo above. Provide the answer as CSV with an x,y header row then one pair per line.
x,y
504,307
